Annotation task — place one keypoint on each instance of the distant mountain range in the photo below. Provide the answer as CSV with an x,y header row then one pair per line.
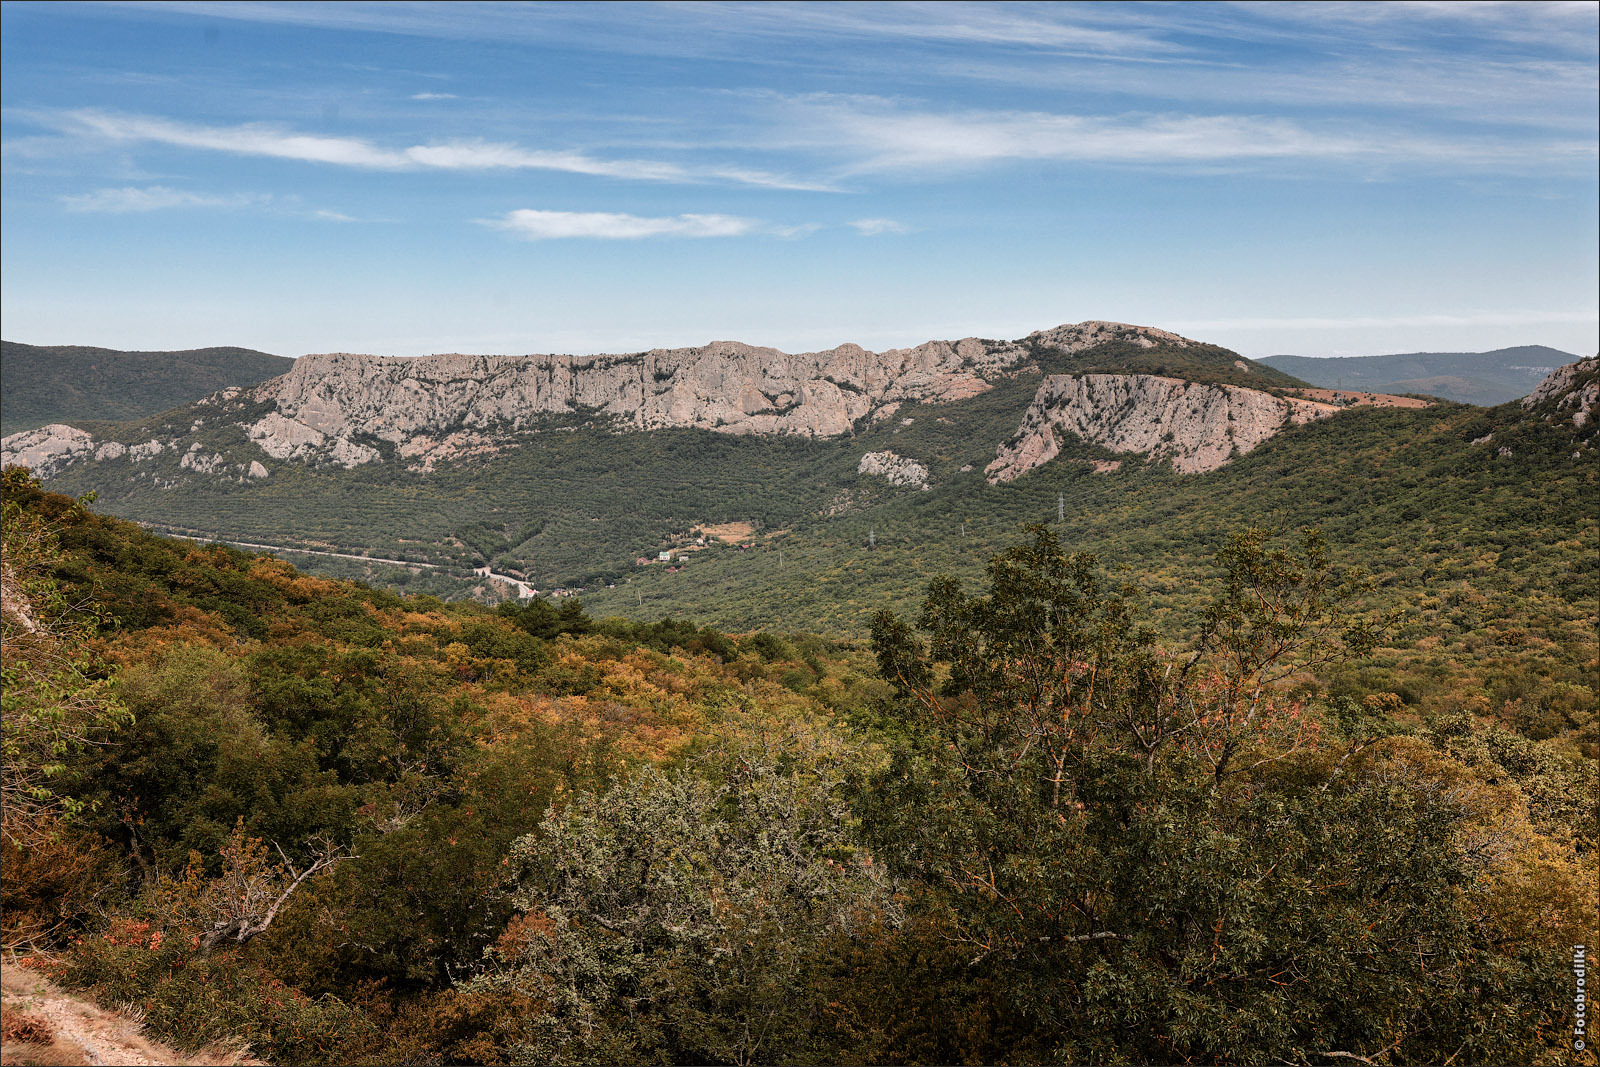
x,y
55,383
74,383
835,472
1482,378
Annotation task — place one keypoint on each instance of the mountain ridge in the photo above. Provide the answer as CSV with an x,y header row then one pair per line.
x,y
572,513
727,386
1482,378
572,502
350,410
62,383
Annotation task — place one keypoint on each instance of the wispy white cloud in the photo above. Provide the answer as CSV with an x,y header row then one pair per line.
x,y
138,200
535,225
131,200
1530,62
803,229
1081,30
277,142
1135,33
876,227
255,139
1543,24
1534,93
700,28
434,96
876,134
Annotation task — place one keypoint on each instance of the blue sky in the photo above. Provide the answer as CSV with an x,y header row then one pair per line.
x,y
1322,179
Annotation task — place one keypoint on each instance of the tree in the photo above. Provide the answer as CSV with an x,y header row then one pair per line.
x,y
1156,855
1033,667
1277,613
679,918
242,902
55,702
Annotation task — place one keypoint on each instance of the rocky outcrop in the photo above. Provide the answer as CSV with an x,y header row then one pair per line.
x,y
325,404
1086,335
198,461
1573,388
47,449
1197,427
283,438
895,469
341,409
725,386
440,407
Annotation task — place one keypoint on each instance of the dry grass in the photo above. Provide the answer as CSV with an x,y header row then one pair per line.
x,y
729,532
46,1027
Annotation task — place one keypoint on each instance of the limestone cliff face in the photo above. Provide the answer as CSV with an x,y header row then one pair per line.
x,y
1198,427
1574,388
335,408
726,386
47,449
441,406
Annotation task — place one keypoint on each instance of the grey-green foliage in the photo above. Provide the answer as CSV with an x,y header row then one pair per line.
x,y
676,917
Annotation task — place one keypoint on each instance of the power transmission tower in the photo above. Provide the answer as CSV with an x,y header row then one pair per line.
x,y
872,537
1061,507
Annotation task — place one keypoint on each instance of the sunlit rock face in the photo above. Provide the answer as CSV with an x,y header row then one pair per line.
x,y
1197,427
895,469
340,409
1573,388
726,386
47,449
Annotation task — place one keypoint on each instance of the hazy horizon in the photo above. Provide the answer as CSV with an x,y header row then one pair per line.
x,y
911,344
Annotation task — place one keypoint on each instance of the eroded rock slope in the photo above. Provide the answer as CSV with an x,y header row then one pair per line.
x,y
1197,427
339,409
1572,390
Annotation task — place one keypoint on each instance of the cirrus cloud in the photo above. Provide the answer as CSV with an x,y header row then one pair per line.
x,y
135,200
535,225
877,227
870,134
276,142
130,200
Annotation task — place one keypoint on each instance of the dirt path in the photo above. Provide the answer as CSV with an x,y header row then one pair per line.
x,y
71,1031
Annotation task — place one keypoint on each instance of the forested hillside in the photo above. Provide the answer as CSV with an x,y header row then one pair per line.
x,y
1483,524
1482,521
569,501
62,383
1031,821
1483,378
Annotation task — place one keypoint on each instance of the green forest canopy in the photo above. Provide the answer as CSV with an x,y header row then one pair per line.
x,y
1030,823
